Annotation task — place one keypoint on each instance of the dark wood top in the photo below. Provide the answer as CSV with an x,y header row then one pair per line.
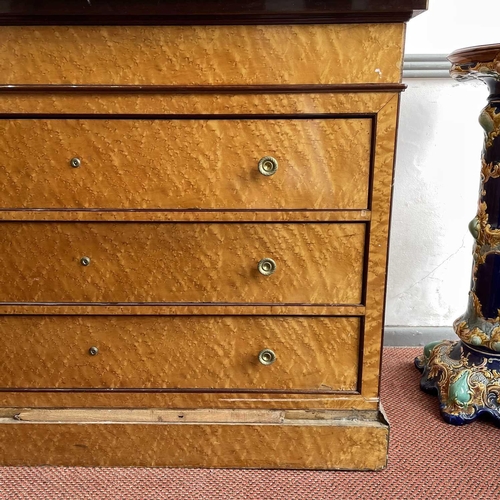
x,y
480,53
206,12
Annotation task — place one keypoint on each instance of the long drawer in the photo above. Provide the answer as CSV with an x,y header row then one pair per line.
x,y
202,55
185,164
182,262
311,353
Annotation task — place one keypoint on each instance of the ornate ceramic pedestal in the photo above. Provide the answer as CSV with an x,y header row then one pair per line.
x,y
466,373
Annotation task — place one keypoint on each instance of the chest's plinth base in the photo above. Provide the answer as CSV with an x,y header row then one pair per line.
x,y
196,438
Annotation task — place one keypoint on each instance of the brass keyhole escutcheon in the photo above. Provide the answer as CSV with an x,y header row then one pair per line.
x,y
267,357
267,266
75,162
268,165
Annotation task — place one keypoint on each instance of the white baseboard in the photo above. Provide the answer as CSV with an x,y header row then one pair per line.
x,y
408,336
426,66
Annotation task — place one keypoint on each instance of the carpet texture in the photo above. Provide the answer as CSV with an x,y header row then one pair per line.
x,y
428,459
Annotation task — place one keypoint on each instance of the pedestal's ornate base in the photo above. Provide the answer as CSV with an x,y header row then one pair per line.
x,y
466,379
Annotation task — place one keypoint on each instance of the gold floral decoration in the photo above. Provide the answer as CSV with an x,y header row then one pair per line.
x,y
489,171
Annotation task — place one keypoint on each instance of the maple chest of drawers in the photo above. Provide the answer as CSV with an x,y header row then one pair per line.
x,y
194,223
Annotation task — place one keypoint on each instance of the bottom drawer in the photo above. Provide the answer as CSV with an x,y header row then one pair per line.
x,y
174,352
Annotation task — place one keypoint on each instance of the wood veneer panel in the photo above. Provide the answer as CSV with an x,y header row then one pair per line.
x,y
314,353
282,103
201,55
175,262
133,215
185,164
378,247
334,444
58,398
155,415
175,309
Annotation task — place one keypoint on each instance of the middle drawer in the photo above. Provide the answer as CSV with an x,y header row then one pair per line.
x,y
181,262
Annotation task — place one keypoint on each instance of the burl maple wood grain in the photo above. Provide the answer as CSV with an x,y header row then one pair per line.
x,y
180,309
144,398
321,255
221,352
378,248
175,262
134,215
371,100
336,444
185,164
202,55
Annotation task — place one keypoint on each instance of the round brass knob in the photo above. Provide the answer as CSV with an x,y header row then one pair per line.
x,y
93,351
85,261
267,266
267,357
268,165
75,162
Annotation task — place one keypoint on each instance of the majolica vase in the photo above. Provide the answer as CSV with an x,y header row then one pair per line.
x,y
466,373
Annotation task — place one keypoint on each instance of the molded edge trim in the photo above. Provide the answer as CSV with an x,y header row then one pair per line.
x,y
208,12
201,89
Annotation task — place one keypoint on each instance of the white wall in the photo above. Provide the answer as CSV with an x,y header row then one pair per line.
x,y
452,24
435,197
437,171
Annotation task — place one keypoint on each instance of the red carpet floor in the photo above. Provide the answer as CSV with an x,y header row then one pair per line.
x,y
428,459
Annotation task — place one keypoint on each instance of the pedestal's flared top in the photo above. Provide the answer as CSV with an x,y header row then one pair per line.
x,y
481,62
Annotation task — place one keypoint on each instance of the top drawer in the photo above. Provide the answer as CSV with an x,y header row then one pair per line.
x,y
323,163
201,55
